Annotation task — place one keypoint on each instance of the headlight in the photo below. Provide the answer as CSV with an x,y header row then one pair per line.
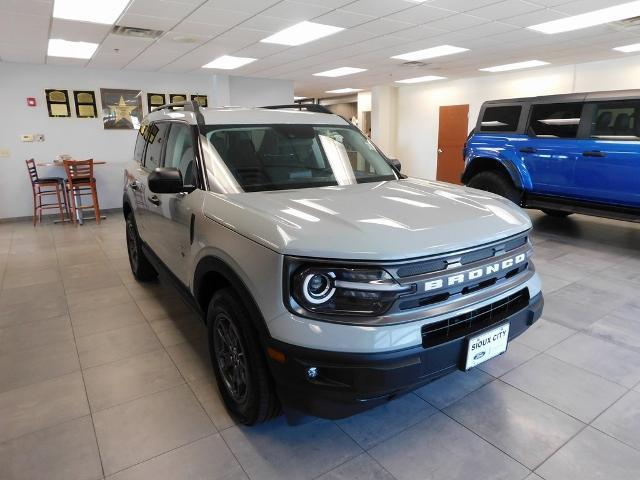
x,y
344,291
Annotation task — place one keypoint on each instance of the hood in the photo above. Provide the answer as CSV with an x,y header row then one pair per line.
x,y
391,220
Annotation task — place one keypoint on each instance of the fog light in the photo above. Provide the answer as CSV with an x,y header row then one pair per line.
x,y
312,372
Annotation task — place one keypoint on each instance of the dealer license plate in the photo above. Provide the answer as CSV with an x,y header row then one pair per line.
x,y
487,345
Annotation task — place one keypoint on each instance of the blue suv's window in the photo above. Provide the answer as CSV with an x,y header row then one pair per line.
x,y
501,119
555,120
617,121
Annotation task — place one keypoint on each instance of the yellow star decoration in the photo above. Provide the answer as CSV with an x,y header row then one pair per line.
x,y
122,110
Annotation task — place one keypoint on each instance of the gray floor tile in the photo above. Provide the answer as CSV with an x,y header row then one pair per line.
x,y
32,279
544,334
622,420
525,428
551,284
157,308
15,296
208,458
583,293
192,359
592,455
98,299
41,405
572,314
33,310
577,392
65,452
620,329
116,344
179,329
363,467
35,334
206,391
452,387
563,270
374,426
441,449
598,356
124,380
149,426
89,322
275,450
516,354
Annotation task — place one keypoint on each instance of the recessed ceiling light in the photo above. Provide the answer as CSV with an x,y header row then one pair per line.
x,y
634,47
104,11
345,90
427,78
515,66
64,48
340,72
440,51
228,62
590,19
301,33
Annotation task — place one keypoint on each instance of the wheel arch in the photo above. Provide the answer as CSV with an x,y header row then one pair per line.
x,y
126,206
483,164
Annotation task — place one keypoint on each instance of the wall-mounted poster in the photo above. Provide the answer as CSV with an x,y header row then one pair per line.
x,y
177,97
201,99
155,100
57,102
121,109
85,103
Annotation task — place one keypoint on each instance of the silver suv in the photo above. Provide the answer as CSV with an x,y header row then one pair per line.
x,y
329,282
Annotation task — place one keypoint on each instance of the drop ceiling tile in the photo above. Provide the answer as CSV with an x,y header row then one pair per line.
x,y
378,8
21,53
109,60
69,62
326,3
509,8
296,11
78,31
160,8
458,22
583,6
383,26
422,13
462,5
246,6
31,7
217,16
267,23
533,18
344,19
238,38
419,32
491,28
146,21
126,45
194,28
260,50
20,28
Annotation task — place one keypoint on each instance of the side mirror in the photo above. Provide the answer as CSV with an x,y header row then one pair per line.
x,y
166,180
395,163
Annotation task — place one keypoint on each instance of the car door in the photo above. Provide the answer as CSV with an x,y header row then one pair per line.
x,y
608,169
134,172
553,147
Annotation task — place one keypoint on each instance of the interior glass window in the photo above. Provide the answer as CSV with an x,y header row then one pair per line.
x,y
501,119
616,121
555,120
180,154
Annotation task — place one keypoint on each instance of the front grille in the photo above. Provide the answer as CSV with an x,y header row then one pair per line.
x,y
462,325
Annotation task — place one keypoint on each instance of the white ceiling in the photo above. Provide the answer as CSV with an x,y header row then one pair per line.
x,y
493,30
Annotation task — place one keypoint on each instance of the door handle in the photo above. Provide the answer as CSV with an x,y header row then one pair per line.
x,y
594,153
154,199
528,150
440,150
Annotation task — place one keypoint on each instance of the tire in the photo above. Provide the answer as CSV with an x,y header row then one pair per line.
x,y
557,213
496,182
140,265
238,361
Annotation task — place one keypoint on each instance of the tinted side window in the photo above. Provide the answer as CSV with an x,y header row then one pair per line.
x,y
180,153
555,120
141,141
156,138
501,119
617,120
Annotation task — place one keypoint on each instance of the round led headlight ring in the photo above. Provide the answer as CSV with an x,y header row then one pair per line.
x,y
317,288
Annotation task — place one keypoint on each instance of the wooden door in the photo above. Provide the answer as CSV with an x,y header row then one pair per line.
x,y
452,133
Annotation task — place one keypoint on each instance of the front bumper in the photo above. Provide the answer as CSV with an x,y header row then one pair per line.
x,y
347,383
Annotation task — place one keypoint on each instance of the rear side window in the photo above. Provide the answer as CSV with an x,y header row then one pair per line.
x,y
156,138
140,144
616,121
555,120
501,119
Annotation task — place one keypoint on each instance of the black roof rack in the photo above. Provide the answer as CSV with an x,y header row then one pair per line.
x,y
189,106
310,107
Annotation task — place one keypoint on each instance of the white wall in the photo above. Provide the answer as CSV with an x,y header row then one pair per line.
x,y
415,125
256,92
85,138
384,105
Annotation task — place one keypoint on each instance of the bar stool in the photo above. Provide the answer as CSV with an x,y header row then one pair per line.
x,y
81,183
43,187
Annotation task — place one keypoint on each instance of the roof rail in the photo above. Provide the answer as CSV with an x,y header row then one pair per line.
x,y
311,107
189,106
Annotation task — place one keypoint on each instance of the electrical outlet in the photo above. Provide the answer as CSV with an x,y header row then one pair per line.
x,y
27,138
4,153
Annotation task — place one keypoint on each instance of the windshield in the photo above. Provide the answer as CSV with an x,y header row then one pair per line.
x,y
278,157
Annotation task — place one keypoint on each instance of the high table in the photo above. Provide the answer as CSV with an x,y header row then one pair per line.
x,y
79,214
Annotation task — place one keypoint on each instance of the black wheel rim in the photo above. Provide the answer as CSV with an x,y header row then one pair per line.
x,y
231,358
132,246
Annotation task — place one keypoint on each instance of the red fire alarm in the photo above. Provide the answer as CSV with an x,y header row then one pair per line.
x,y
31,101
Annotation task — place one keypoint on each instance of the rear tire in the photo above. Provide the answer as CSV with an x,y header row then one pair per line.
x,y
496,182
557,213
140,265
238,362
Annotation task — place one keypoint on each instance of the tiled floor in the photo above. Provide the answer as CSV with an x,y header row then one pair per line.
x,y
103,377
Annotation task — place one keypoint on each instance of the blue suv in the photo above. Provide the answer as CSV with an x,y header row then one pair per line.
x,y
561,154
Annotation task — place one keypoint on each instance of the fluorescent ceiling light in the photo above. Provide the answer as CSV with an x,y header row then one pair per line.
x,y
590,19
440,51
228,62
64,48
97,11
345,90
635,47
340,72
301,33
515,66
427,78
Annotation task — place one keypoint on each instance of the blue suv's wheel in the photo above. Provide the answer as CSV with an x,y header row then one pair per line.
x,y
496,182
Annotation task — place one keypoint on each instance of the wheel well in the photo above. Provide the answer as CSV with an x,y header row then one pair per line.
x,y
210,283
126,209
487,164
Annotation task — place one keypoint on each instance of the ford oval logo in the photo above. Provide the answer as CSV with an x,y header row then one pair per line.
x,y
479,355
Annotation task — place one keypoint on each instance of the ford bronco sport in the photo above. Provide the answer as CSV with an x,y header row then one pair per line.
x,y
328,281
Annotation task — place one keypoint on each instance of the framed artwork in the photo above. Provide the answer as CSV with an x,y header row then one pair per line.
x,y
155,100
57,102
201,99
121,109
85,101
177,97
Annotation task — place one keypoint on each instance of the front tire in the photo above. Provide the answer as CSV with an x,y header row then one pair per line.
x,y
238,362
140,265
496,182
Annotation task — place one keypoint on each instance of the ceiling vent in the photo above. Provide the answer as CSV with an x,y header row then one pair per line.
x,y
415,64
136,32
628,22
